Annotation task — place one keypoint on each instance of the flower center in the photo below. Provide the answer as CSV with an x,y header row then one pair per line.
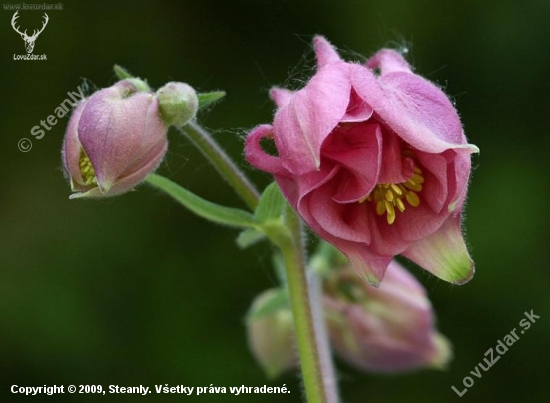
x,y
86,169
389,197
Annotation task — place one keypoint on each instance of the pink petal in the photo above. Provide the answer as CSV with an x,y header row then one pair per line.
x,y
302,125
369,266
112,130
296,188
394,168
138,173
358,110
105,114
387,240
149,159
130,179
417,222
444,253
434,189
358,149
458,180
345,221
418,111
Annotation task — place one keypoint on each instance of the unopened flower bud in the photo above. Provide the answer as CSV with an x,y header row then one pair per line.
x,y
114,139
178,103
385,329
270,336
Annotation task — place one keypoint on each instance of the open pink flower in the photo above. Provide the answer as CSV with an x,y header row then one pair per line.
x,y
374,159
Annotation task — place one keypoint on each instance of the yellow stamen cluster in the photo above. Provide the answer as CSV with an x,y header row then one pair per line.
x,y
390,197
86,169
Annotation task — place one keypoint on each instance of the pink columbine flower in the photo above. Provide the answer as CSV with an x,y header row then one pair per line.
x,y
385,329
374,159
114,139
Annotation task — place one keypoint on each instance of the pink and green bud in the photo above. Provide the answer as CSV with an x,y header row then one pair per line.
x,y
114,139
270,336
178,103
385,329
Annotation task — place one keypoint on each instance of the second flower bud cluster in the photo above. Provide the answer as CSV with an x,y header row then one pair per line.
x,y
389,329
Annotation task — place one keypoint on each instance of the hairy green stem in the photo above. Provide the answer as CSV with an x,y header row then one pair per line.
x,y
322,341
309,326
222,163
303,287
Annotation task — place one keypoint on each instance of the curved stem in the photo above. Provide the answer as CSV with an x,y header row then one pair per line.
x,y
222,163
309,326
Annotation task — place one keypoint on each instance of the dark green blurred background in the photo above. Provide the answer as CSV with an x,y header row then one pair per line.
x,y
136,290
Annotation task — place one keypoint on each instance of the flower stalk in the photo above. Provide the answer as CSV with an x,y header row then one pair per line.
x,y
309,328
303,287
222,163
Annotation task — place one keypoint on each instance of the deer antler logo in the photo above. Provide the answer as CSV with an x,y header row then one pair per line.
x,y
29,40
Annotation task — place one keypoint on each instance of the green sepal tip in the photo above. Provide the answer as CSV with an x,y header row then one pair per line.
x,y
207,98
121,72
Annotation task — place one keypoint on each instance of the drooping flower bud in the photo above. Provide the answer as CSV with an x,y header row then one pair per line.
x,y
114,139
270,336
385,329
178,103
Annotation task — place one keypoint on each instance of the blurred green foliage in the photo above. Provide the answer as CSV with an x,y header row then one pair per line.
x,y
135,290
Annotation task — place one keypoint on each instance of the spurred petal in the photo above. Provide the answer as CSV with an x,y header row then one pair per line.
x,y
307,119
388,61
281,96
444,253
324,52
255,154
